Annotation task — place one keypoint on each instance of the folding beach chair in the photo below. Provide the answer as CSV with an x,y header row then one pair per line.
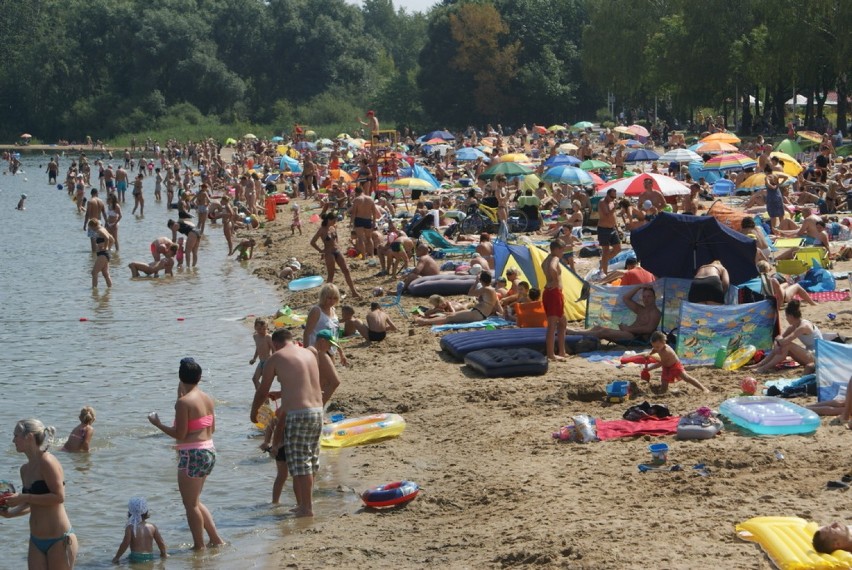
x,y
395,301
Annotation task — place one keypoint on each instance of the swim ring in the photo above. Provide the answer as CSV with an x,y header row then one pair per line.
x,y
739,357
304,283
264,416
365,429
390,495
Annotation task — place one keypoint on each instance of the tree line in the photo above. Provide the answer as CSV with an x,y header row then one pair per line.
x,y
72,68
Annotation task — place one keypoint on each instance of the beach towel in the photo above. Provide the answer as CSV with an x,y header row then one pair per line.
x,y
826,296
494,322
611,357
614,429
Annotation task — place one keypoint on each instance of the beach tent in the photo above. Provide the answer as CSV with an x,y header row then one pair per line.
x,y
527,258
418,171
833,369
676,245
704,329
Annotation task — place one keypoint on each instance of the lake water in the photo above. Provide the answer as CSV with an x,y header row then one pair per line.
x,y
123,360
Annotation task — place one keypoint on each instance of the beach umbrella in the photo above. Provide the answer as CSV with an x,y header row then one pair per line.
x,y
468,153
343,136
630,142
714,147
514,157
565,148
249,136
790,147
411,183
680,155
289,162
325,142
277,139
622,129
595,165
812,136
530,182
443,135
735,161
418,171
305,145
676,245
791,165
641,155
555,128
583,125
638,130
26,136
310,135
539,130
435,140
757,181
230,141
568,175
635,185
505,168
561,159
729,138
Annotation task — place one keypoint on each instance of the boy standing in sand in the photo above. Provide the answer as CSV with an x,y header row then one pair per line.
x,y
263,348
672,367
554,304
378,324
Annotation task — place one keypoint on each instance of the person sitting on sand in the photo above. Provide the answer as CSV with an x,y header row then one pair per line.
x,y
349,324
782,291
841,406
831,537
378,324
672,367
487,304
164,264
647,319
426,265
805,331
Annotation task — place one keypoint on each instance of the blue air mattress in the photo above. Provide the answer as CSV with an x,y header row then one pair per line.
x,y
507,362
442,284
460,344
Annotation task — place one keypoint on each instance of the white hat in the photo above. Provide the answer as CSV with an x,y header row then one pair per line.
x,y
475,269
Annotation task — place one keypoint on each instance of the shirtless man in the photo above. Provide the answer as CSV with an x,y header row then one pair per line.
x,y
691,200
810,229
486,305
648,193
299,417
426,265
835,536
554,302
607,234
397,254
109,180
363,220
485,249
121,180
647,319
378,324
95,210
372,122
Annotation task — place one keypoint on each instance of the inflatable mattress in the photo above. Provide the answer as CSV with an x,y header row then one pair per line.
x,y
461,344
442,284
507,362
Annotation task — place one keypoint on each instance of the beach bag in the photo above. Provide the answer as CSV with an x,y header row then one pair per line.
x,y
817,279
590,251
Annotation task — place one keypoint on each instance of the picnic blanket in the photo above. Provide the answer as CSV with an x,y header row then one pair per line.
x,y
614,429
494,322
827,296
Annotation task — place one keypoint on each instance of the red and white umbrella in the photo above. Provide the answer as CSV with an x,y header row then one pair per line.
x,y
638,130
635,185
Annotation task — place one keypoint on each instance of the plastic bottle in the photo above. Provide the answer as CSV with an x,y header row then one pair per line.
x,y
779,456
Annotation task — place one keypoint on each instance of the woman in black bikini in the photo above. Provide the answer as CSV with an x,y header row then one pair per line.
x,y
193,239
103,241
53,543
710,284
327,233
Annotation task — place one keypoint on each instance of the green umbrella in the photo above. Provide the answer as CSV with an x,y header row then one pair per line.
x,y
594,165
507,168
844,150
583,125
789,146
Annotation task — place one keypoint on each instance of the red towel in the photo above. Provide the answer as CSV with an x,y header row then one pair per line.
x,y
826,296
647,426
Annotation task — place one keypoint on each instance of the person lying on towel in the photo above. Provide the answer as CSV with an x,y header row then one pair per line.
x,y
647,319
487,304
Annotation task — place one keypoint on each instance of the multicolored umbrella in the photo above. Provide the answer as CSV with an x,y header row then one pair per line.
x,y
595,165
638,130
568,175
714,147
635,185
757,181
729,138
735,161
680,155
505,168
641,155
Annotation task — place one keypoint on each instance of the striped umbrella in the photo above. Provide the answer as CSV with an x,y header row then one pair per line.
x,y
680,155
729,138
714,147
735,161
635,185
568,175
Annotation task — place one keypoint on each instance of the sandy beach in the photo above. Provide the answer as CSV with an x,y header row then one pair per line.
x,y
498,491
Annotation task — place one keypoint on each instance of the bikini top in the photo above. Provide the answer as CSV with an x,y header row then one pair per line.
x,y
100,240
199,424
36,488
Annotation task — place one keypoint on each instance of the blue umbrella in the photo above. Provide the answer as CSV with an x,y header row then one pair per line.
x,y
568,175
468,153
640,155
289,162
277,139
562,160
445,135
302,145
418,171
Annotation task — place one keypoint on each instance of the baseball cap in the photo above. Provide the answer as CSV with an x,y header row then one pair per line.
x,y
327,335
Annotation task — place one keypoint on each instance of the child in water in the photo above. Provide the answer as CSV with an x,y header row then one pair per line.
x,y
140,535
670,363
245,249
263,349
22,205
81,435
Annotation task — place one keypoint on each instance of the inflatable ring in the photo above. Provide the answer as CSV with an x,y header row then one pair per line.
x,y
304,283
390,495
365,429
739,357
264,416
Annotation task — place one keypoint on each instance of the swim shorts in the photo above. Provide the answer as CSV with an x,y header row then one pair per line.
x,y
197,463
259,367
110,184
121,185
376,336
302,430
281,454
365,223
396,246
608,237
554,304
673,372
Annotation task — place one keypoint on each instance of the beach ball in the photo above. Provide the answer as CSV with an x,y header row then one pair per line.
x,y
248,220
748,385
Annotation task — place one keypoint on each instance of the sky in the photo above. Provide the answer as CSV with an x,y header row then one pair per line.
x,y
410,5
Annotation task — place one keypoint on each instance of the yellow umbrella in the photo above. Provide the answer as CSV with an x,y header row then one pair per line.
x,y
554,128
716,146
622,129
412,184
791,165
249,136
810,135
515,157
758,181
567,147
729,138
530,182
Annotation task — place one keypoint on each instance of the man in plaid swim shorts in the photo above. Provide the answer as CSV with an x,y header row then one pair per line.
x,y
300,415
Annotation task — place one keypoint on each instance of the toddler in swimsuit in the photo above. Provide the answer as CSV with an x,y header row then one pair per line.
x,y
672,367
139,534
263,349
297,220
